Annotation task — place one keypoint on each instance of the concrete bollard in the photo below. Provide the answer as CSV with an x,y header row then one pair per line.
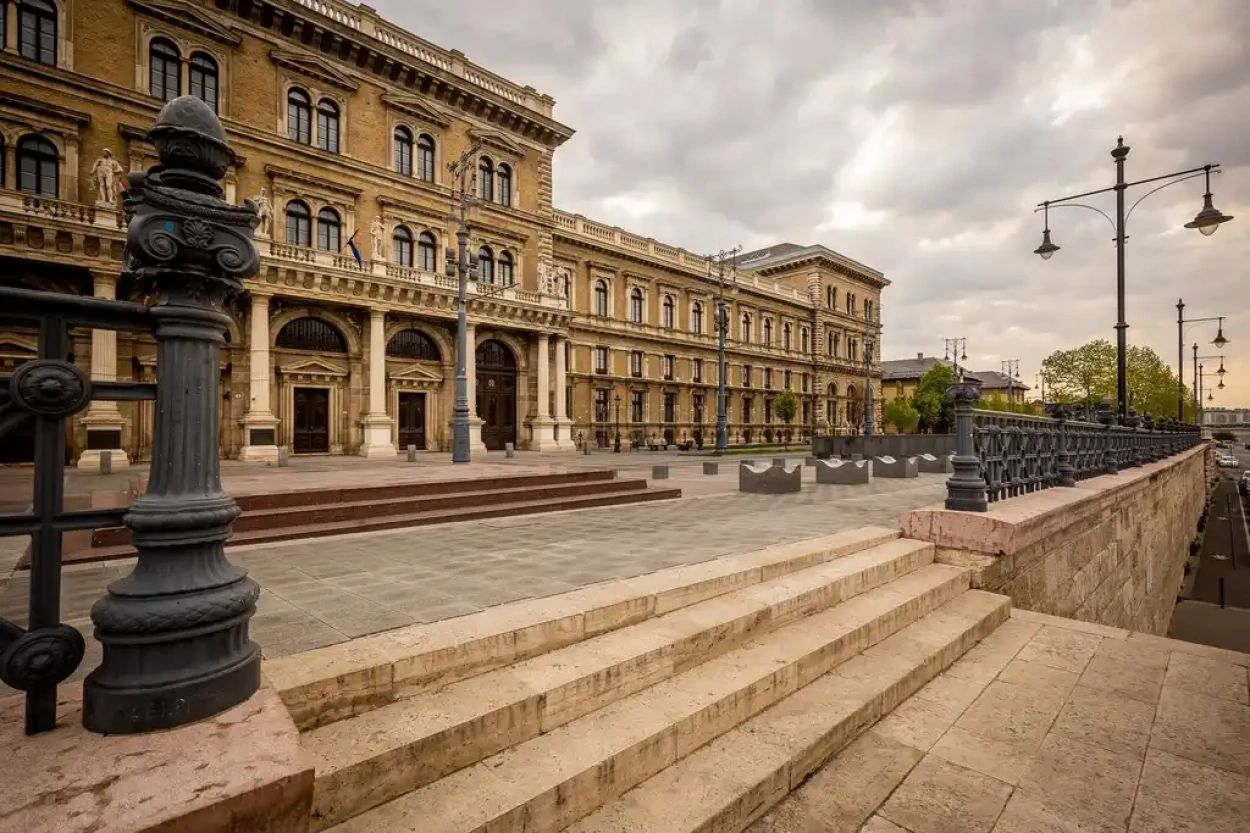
x,y
283,457
509,451
711,468
412,454
106,462
586,449
659,472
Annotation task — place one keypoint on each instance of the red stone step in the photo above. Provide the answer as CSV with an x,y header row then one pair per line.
x,y
353,508
636,493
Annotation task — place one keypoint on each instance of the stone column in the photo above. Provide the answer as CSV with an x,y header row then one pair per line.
x,y
543,425
260,426
103,421
377,424
564,425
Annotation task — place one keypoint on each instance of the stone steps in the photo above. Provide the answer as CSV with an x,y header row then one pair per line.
x,y
293,520
540,744
379,755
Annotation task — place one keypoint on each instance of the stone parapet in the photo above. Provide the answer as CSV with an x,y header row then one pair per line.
x,y
1110,550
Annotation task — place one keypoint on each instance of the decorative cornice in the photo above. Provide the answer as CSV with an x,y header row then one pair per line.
x,y
63,116
497,140
313,66
417,108
278,174
189,17
384,202
499,231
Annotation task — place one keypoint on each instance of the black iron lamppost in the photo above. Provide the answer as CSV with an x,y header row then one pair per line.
x,y
616,442
1219,341
175,630
1206,221
958,347
460,264
1199,376
867,386
722,280
1011,369
1041,389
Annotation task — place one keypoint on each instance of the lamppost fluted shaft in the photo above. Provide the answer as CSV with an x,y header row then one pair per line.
x,y
460,450
867,386
1180,359
1121,326
722,408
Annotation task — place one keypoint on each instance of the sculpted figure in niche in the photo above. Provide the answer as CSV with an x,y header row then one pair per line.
x,y
106,176
377,232
264,209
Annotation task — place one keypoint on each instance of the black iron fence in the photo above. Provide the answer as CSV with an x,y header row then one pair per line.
x,y
1003,455
174,632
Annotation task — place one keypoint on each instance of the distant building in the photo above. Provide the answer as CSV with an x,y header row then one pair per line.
x,y
899,378
1218,416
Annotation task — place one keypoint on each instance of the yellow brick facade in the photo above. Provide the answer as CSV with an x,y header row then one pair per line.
x,y
330,355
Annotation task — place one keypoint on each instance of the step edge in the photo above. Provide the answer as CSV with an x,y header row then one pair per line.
x,y
353,677
852,640
799,762
527,714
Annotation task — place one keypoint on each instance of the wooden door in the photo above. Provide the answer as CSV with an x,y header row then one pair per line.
x,y
312,421
412,421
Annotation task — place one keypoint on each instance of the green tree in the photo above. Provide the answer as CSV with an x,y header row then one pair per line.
x,y
785,406
902,415
995,402
1086,375
937,415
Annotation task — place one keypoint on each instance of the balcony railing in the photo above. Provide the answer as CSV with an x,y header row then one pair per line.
x,y
1000,455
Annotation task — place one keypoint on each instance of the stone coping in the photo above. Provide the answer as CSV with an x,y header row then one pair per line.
x,y
1017,523
240,770
339,681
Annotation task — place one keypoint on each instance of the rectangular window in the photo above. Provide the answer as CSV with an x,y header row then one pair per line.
x,y
698,370
786,383
807,412
601,405
746,410
768,378
668,367
670,407
746,375
698,409
601,360
836,340
806,382
768,410
635,364
637,406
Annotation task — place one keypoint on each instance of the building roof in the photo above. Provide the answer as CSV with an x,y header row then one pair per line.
x,y
898,370
993,380
780,255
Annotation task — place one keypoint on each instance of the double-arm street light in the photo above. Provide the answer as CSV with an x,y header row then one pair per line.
x,y
1011,369
1206,221
724,276
957,347
1199,375
1219,341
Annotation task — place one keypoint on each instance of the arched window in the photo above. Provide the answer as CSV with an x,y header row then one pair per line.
x,y
635,305
164,70
485,265
298,116
785,336
746,328
329,230
36,30
804,340
401,243
485,179
829,297
311,334
425,158
38,166
668,312
328,125
696,318
403,151
427,251
505,269
203,79
768,332
601,298
505,184
413,344
298,224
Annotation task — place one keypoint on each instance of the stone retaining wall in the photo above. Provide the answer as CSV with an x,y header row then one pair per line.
x,y
1111,550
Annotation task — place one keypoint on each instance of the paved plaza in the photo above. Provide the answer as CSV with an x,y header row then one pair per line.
x,y
322,591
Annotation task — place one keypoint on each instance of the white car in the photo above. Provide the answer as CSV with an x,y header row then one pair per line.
x,y
1228,463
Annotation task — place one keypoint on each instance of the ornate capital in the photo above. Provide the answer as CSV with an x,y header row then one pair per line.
x,y
183,238
963,392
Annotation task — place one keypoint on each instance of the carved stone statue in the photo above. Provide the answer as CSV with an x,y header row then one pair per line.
x,y
564,277
106,176
544,277
377,232
264,210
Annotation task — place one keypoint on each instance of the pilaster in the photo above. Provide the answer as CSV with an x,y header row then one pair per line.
x,y
377,425
103,420
260,426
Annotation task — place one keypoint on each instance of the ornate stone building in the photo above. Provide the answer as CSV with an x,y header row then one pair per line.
x,y
345,126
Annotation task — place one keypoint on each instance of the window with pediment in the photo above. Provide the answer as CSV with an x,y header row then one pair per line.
x,y
298,223
204,78
505,269
635,305
328,125
668,313
601,298
504,179
768,332
401,245
486,265
164,70
485,179
696,318
299,116
427,251
425,157
329,230
36,30
403,150
38,166
785,336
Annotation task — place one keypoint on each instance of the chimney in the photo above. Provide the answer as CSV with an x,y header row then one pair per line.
x,y
920,357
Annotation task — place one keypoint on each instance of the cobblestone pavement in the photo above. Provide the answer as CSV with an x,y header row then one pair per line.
x,y
321,591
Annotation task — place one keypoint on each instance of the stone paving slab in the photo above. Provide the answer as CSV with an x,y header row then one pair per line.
x,y
1048,726
322,591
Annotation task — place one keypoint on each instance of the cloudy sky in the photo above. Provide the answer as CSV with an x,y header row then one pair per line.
x,y
915,136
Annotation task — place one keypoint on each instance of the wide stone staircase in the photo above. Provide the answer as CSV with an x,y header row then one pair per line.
x,y
309,513
692,699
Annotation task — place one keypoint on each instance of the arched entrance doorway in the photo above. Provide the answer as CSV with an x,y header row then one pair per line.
x,y
496,394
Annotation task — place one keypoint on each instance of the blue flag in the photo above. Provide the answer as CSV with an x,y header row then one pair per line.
x,y
351,244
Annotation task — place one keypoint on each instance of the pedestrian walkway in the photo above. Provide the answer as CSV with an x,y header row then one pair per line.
x,y
327,590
